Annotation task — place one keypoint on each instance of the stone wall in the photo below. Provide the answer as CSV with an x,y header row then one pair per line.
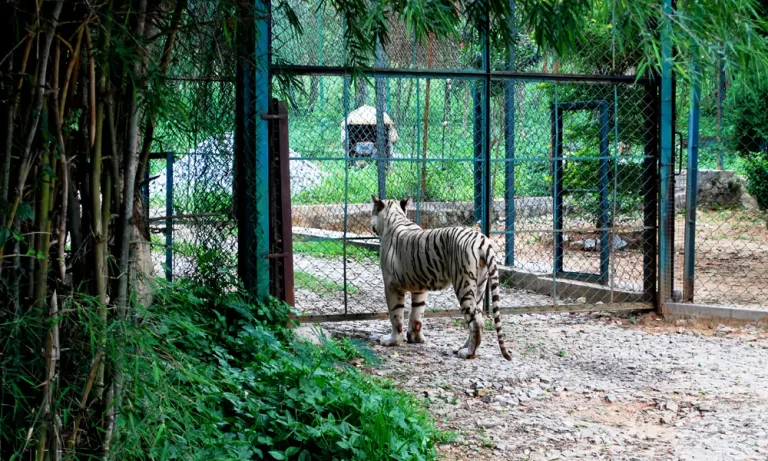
x,y
433,214
717,189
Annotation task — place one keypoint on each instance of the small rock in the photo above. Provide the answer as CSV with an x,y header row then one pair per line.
x,y
586,433
705,407
545,379
590,245
497,385
482,392
672,406
486,399
610,398
666,419
487,423
582,300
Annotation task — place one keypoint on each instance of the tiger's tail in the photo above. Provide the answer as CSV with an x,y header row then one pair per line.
x,y
493,278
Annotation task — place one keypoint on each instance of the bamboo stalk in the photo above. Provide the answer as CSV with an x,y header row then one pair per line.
x,y
149,130
83,402
5,183
97,227
91,86
26,158
70,69
64,173
129,183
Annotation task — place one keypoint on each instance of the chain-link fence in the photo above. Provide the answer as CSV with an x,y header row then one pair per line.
x,y
188,187
560,170
729,247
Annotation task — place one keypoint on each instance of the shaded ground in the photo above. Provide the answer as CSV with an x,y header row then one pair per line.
x,y
590,387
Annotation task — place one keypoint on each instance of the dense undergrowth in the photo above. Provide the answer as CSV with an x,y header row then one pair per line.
x,y
210,376
250,390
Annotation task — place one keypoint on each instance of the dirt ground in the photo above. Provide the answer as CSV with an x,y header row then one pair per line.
x,y
589,386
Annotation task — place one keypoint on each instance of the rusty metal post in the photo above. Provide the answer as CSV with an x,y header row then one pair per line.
x,y
281,232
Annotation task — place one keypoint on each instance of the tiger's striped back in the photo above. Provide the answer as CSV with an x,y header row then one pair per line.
x,y
414,259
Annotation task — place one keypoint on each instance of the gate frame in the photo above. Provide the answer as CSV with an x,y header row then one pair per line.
x,y
657,129
558,110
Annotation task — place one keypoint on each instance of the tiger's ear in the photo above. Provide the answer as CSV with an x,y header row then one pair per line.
x,y
404,203
378,204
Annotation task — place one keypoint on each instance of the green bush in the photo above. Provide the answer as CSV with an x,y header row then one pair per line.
x,y
228,380
756,170
747,134
207,375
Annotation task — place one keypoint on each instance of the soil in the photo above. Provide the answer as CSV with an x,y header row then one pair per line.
x,y
588,386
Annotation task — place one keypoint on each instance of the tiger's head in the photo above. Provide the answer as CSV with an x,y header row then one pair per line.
x,y
382,209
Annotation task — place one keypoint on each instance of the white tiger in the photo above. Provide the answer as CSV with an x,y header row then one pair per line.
x,y
416,260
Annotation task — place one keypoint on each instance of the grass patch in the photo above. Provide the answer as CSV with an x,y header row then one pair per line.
x,y
334,249
311,282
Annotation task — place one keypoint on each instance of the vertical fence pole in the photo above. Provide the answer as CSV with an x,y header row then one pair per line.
x,y
252,152
487,189
667,218
720,107
557,188
419,198
692,186
382,143
650,190
169,216
604,221
346,189
477,135
320,37
509,151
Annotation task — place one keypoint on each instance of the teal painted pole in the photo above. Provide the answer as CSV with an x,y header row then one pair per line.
x,y
667,205
262,93
509,150
321,93
692,185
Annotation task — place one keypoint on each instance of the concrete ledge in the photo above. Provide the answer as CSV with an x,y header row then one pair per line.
x,y
704,311
542,283
516,278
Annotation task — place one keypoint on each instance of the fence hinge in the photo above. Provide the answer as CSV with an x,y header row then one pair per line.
x,y
274,116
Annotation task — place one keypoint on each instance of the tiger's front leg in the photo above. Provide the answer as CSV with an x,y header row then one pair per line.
x,y
396,306
418,304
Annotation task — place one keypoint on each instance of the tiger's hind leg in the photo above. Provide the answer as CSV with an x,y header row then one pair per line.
x,y
474,319
418,304
396,306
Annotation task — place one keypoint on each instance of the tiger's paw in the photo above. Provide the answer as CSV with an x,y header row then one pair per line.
x,y
390,341
416,337
464,354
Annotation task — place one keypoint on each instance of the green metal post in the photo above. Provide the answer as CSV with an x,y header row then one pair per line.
x,y
667,128
692,185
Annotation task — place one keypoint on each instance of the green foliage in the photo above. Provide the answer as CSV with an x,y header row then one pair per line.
x,y
320,285
747,134
211,376
227,381
756,170
334,249
747,111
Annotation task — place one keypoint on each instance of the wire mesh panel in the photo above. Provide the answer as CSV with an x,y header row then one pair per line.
x,y
428,144
577,173
561,176
730,243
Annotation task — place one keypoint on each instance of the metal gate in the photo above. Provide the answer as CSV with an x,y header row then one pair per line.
x,y
559,167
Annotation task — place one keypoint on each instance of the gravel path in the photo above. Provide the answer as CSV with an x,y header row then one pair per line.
x,y
589,386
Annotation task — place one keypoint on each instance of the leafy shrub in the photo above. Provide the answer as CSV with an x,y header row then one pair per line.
x,y
747,133
228,380
756,170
